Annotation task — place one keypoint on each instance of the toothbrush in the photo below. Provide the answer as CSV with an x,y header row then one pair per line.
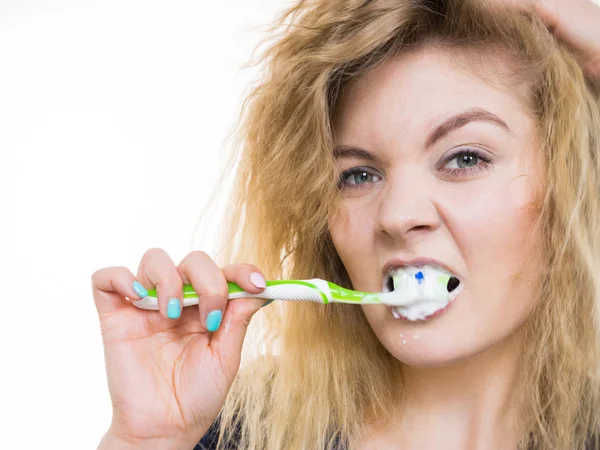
x,y
316,290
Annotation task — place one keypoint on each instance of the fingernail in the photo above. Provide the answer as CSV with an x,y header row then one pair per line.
x,y
173,308
258,280
267,303
213,320
140,290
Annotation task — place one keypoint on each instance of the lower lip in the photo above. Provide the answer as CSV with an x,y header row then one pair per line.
x,y
438,313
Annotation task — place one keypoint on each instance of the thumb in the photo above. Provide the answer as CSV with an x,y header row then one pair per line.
x,y
229,338
112,287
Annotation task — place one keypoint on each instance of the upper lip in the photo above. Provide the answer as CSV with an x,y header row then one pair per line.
x,y
392,263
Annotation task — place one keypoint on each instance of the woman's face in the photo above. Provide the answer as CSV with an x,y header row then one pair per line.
x,y
439,165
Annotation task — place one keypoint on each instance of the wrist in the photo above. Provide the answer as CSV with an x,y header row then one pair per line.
x,y
113,441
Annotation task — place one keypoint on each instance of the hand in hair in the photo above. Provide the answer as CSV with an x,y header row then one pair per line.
x,y
576,22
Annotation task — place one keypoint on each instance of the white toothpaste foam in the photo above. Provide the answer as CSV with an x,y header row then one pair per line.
x,y
418,295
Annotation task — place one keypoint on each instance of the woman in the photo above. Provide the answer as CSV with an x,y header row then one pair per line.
x,y
389,134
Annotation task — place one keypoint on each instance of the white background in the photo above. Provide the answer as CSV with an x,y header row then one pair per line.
x,y
113,118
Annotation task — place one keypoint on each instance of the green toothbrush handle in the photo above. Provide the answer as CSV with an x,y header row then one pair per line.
x,y
312,290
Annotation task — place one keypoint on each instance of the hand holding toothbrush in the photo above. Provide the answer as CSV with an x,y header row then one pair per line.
x,y
169,373
168,377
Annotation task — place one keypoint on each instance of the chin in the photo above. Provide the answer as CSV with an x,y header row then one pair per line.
x,y
446,338
441,346
431,355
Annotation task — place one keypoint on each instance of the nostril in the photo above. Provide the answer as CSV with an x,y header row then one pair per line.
x,y
453,283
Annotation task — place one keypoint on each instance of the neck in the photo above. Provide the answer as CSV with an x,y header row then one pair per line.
x,y
468,404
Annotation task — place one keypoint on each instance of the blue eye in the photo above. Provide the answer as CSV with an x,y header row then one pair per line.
x,y
466,162
358,176
463,160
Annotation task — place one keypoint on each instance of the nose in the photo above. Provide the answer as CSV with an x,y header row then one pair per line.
x,y
407,207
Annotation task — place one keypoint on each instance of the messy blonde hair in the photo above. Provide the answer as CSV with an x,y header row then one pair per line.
x,y
314,376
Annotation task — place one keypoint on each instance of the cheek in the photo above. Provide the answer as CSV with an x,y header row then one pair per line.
x,y
497,238
352,233
496,221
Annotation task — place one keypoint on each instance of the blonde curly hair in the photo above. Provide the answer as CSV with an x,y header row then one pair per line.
x,y
313,376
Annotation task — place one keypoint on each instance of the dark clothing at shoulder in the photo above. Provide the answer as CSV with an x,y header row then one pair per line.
x,y
210,439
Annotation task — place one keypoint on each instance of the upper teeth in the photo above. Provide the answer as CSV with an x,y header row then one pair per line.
x,y
419,291
400,276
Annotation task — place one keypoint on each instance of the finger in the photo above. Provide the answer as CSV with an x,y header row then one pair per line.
x,y
199,270
112,287
577,22
158,270
228,340
246,276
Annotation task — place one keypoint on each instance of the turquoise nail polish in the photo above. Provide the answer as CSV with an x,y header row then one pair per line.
x,y
173,309
268,303
213,320
139,289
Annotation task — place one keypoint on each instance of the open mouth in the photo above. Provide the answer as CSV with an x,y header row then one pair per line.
x,y
423,291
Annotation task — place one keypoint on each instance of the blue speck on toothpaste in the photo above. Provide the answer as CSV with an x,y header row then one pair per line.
x,y
419,277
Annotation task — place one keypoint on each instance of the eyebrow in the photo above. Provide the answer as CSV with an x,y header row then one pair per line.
x,y
349,151
462,119
453,123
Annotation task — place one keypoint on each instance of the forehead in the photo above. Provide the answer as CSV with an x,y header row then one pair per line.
x,y
420,88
